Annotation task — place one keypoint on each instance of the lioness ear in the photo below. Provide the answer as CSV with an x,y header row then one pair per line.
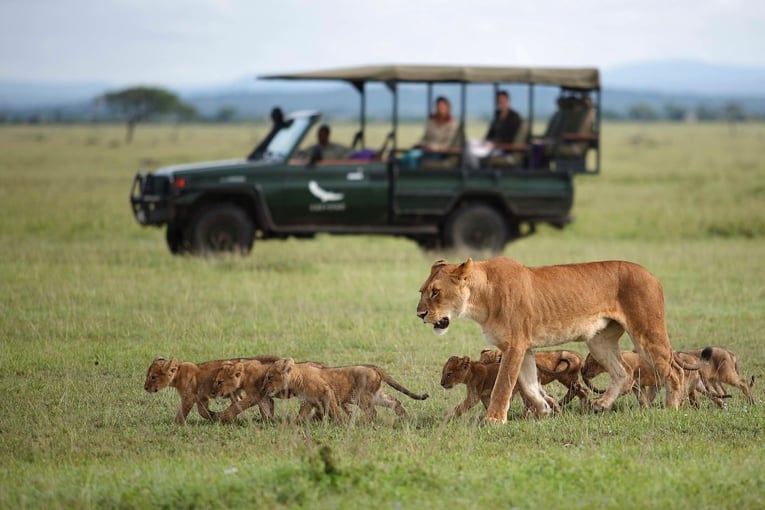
x,y
438,264
464,269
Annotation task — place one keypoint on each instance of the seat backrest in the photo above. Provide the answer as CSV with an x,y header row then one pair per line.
x,y
521,136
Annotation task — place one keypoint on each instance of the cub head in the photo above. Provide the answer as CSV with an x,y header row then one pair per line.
x,y
489,356
444,294
277,378
455,370
228,379
590,369
160,374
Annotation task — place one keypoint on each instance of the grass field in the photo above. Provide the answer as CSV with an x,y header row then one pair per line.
x,y
89,298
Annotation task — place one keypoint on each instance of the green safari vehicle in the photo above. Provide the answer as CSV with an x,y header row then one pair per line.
x,y
449,198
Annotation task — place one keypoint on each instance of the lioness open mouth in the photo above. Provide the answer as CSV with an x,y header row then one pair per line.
x,y
442,324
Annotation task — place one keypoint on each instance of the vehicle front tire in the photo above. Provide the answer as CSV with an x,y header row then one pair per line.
x,y
176,239
476,228
222,228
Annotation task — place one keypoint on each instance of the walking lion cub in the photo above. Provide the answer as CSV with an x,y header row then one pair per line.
x,y
329,388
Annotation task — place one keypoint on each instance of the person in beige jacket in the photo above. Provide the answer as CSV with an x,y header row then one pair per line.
x,y
440,129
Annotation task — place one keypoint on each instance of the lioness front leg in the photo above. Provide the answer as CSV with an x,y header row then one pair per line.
x,y
509,368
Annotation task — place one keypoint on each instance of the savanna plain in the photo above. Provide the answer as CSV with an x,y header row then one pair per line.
x,y
89,298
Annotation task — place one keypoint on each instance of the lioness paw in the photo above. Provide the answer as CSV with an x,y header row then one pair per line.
x,y
493,421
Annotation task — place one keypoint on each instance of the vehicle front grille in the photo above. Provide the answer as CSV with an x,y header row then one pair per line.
x,y
155,185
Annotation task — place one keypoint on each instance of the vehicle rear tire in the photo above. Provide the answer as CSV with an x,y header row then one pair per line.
x,y
476,228
222,228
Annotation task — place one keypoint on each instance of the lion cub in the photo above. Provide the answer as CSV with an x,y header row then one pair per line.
x,y
193,382
247,376
643,380
329,388
479,377
562,366
720,365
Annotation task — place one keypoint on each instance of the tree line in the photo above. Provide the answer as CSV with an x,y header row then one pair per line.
x,y
134,105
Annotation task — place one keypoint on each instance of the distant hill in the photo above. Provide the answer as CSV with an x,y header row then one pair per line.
x,y
687,77
656,84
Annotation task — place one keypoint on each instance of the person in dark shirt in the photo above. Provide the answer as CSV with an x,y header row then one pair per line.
x,y
504,127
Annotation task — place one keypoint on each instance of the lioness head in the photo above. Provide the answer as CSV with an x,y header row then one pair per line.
x,y
276,381
228,379
444,294
160,374
454,371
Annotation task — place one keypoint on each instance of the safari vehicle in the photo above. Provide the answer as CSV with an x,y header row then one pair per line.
x,y
442,199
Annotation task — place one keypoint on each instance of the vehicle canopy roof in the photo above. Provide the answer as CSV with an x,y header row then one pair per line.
x,y
583,78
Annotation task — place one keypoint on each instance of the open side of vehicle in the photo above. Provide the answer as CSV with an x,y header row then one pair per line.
x,y
452,197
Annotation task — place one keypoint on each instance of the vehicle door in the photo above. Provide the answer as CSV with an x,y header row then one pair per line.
x,y
352,193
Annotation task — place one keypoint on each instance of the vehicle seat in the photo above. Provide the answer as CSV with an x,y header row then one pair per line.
x,y
509,158
575,142
448,158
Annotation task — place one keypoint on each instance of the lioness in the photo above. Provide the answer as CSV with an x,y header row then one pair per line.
x,y
479,378
644,382
562,366
519,308
193,382
721,366
329,387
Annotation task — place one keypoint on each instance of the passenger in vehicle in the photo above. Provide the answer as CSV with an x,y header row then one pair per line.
x,y
441,129
325,149
505,141
504,127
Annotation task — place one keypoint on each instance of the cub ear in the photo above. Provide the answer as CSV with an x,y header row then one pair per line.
x,y
172,365
289,364
465,361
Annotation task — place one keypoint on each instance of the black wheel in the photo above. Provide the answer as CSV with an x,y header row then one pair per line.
x,y
176,240
222,228
476,227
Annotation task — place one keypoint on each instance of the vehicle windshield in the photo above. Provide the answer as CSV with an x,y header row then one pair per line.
x,y
285,140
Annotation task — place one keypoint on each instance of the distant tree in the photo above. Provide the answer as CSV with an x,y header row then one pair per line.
x,y
136,104
675,112
706,113
642,111
734,112
225,114
609,114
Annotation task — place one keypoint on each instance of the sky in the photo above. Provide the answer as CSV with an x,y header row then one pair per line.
x,y
198,42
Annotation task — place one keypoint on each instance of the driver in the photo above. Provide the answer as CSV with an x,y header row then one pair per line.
x,y
325,149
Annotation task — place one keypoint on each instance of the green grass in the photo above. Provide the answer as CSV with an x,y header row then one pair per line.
x,y
89,298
